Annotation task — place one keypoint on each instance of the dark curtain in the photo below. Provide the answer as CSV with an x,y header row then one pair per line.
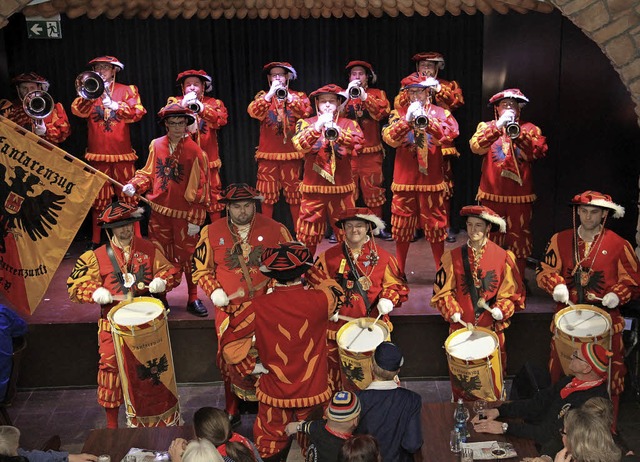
x,y
234,51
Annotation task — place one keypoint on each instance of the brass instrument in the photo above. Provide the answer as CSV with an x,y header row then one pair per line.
x,y
194,107
331,133
89,85
355,91
421,121
281,93
38,105
512,129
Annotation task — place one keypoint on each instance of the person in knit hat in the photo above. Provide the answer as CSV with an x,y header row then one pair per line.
x,y
543,414
591,264
327,436
479,283
289,326
391,413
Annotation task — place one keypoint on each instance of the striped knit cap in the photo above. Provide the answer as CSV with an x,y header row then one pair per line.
x,y
344,406
597,357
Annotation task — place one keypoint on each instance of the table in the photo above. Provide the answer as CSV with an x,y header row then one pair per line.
x,y
437,423
117,442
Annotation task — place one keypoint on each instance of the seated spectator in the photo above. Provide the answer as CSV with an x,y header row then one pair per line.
x,y
389,412
360,448
542,414
587,438
214,425
11,326
326,437
200,450
10,452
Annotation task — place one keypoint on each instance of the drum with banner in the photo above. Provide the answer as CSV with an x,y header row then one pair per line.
x,y
243,387
474,364
578,324
357,341
145,362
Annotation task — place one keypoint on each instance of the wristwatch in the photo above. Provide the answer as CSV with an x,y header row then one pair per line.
x,y
505,427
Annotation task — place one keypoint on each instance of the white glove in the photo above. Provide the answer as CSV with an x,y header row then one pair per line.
x,y
219,297
610,300
259,369
189,98
432,82
497,314
275,84
455,317
385,306
40,128
192,229
102,296
334,318
157,285
561,293
506,117
109,103
128,190
413,110
323,119
353,83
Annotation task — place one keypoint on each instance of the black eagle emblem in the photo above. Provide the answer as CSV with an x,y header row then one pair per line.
x,y
488,283
353,373
467,384
232,259
98,117
169,170
22,208
153,369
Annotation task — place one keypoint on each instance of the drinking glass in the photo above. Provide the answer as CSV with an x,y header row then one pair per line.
x,y
454,441
467,455
479,407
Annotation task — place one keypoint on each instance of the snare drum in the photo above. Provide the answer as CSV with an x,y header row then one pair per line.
x,y
145,362
475,366
356,346
580,324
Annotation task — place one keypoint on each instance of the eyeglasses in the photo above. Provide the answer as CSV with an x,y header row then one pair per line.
x,y
574,355
176,124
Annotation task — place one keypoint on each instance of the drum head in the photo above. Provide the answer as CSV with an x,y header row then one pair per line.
x,y
137,312
583,323
471,344
367,340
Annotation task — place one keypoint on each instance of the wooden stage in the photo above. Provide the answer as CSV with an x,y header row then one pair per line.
x,y
62,348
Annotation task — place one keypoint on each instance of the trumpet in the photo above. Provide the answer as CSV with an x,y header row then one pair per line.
x,y
281,93
512,129
331,132
89,85
421,121
38,105
194,107
355,91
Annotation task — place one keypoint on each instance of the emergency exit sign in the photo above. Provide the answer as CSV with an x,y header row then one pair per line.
x,y
44,28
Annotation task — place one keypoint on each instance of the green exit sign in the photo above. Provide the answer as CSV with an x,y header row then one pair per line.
x,y
44,28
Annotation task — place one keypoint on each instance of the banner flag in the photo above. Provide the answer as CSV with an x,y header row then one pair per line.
x,y
45,194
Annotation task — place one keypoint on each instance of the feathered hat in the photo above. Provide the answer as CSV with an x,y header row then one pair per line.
x,y
488,215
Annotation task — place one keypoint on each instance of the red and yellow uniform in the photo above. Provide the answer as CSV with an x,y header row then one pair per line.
x,y
327,185
94,269
449,97
57,123
367,166
420,188
109,141
497,280
176,182
208,121
609,265
387,281
506,184
291,342
279,163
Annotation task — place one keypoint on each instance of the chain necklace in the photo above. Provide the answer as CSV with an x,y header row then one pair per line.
x,y
242,236
128,278
588,248
475,263
364,280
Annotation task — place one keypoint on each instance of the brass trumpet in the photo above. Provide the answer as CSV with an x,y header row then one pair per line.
x,y
38,104
89,85
512,129
281,93
331,132
194,107
421,121
355,92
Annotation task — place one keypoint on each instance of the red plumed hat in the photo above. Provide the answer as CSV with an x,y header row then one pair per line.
x,y
361,213
429,56
283,64
202,75
119,214
513,93
330,88
372,75
109,60
484,212
33,78
176,110
597,199
240,192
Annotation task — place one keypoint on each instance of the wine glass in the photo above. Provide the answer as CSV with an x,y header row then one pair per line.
x,y
479,407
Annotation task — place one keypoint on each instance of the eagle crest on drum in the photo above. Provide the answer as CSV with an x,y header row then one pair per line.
x,y
153,369
353,373
466,383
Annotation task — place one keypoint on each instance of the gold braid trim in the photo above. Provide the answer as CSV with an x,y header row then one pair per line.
x,y
371,149
506,199
419,187
181,214
280,155
311,188
293,402
215,164
95,157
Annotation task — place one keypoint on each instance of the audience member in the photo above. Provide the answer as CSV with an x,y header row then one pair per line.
x,y
360,448
327,437
391,413
11,326
214,425
199,450
587,438
10,452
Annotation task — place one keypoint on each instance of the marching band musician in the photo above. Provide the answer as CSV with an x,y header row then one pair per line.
x,y
367,106
478,282
591,264
328,141
419,132
279,163
211,115
226,264
369,276
175,179
54,126
509,146
125,265
109,141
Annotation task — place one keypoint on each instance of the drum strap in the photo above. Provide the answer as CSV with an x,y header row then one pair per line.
x,y
116,269
578,274
245,272
473,290
356,277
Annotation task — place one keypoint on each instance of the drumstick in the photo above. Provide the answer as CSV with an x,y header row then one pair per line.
x,y
237,294
362,329
591,296
370,328
346,318
483,304
468,325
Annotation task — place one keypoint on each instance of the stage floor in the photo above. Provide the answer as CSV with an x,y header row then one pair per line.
x,y
56,307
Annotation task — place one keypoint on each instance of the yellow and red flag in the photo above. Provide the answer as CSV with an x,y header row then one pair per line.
x,y
45,194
